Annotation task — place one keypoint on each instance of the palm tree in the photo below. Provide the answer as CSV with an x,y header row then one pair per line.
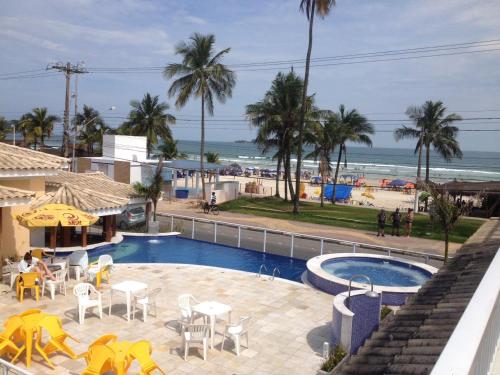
x,y
168,150
148,118
41,123
89,120
277,117
324,139
432,128
212,157
310,8
350,126
152,192
101,129
201,75
4,127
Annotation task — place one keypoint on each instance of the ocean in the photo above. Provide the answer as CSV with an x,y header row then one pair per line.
x,y
374,163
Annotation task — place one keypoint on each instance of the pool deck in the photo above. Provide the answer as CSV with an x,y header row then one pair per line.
x,y
289,321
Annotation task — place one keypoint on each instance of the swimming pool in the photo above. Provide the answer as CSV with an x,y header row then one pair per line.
x,y
173,249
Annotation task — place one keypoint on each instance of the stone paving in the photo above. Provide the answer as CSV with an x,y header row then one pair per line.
x,y
289,321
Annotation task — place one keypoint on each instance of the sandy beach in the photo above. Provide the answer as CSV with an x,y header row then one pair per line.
x,y
384,198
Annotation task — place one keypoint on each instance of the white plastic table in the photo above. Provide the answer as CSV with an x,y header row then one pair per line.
x,y
128,287
212,309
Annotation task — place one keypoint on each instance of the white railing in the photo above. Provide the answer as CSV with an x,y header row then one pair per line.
x,y
7,368
355,246
471,348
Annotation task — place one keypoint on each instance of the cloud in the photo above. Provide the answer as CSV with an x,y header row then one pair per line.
x,y
195,20
33,40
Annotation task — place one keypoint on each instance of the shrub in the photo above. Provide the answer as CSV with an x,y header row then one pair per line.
x,y
336,355
384,312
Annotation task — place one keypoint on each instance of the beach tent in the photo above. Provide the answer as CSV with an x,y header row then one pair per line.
x,y
342,191
397,183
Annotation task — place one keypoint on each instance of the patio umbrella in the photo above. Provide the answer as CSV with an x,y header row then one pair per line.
x,y
55,214
397,182
51,215
368,195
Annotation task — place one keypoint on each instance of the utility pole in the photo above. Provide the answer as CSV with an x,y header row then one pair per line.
x,y
75,130
67,69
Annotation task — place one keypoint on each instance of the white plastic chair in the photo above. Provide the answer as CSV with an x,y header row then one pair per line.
x,y
78,262
188,316
145,301
59,281
84,291
195,334
103,261
236,331
13,269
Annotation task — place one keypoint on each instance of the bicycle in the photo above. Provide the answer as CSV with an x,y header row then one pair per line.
x,y
207,208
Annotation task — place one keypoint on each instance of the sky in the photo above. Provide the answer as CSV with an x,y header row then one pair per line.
x,y
137,33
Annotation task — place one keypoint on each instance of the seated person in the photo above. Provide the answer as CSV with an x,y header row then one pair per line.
x,y
32,264
213,199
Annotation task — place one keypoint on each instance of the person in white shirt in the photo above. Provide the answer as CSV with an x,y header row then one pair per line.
x,y
32,264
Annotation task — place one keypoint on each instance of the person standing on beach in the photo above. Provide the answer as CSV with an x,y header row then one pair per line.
x,y
381,218
409,222
396,222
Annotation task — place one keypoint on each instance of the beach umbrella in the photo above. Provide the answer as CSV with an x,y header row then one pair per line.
x,y
368,195
53,215
397,182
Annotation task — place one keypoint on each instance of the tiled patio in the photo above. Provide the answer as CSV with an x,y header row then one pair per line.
x,y
287,329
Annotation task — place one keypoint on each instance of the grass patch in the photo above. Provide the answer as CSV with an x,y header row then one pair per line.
x,y
344,216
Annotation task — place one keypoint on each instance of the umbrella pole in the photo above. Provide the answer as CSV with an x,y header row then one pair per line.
x,y
53,239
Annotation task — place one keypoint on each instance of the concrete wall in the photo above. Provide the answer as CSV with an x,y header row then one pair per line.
x,y
124,147
14,238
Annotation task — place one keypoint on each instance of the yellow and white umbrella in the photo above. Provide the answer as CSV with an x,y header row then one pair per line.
x,y
368,195
53,215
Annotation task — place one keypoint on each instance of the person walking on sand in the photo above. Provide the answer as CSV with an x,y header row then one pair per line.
x,y
409,222
381,218
396,222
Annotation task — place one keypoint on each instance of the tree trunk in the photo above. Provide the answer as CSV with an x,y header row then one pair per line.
x,y
289,177
322,190
278,169
427,168
334,190
202,147
446,243
303,110
285,175
155,203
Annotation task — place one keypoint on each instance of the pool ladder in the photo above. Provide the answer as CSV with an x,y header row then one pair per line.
x,y
262,266
274,272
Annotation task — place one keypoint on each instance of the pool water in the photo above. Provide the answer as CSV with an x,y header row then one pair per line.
x,y
381,271
174,249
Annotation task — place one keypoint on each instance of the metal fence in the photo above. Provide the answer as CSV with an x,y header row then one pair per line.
x,y
294,245
7,368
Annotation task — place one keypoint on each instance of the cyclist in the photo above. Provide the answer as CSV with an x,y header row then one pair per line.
x,y
213,199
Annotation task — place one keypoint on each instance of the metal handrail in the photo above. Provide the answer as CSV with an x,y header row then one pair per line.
x,y
274,272
389,250
262,266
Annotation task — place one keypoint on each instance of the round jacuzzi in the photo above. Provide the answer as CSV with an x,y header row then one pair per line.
x,y
395,278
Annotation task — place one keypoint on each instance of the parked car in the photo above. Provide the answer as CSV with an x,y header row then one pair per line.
x,y
130,217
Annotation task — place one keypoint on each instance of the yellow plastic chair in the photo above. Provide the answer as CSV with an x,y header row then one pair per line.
x,y
101,358
7,345
53,325
141,351
103,340
103,273
28,281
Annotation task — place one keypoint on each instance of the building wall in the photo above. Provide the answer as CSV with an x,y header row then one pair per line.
x,y
122,171
124,147
14,238
83,165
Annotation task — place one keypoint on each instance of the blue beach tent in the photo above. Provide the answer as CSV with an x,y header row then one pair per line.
x,y
342,191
